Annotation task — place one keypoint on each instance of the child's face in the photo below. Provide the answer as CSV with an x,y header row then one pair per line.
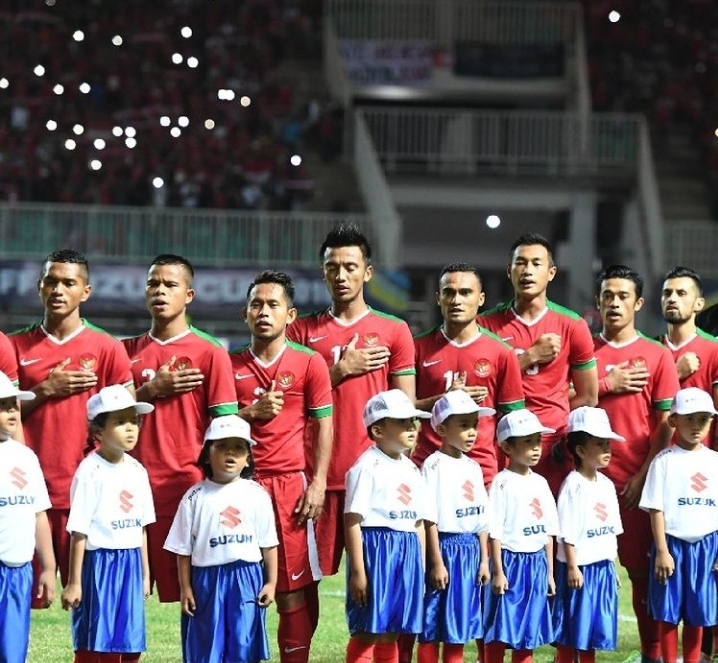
x,y
9,417
120,432
395,436
524,450
595,453
691,428
227,458
459,432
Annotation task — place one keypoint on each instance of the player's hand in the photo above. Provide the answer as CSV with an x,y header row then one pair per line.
x,y
545,349
499,584
631,492
359,588
551,585
268,405
624,378
359,361
687,364
575,577
477,392
439,576
266,595
664,566
311,502
483,576
71,597
169,380
61,383
46,587
187,602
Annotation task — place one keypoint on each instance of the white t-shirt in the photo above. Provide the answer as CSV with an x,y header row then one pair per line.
x,y
385,492
110,502
23,494
455,494
222,523
522,511
589,518
684,485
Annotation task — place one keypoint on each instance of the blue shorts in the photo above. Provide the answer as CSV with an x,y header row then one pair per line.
x,y
111,614
228,624
395,574
521,617
454,614
15,599
690,594
587,618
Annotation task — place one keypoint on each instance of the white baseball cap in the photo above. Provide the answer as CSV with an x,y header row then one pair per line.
x,y
230,425
392,404
8,390
592,420
691,400
519,423
456,402
112,399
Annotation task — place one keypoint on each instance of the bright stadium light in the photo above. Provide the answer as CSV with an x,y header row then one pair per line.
x,y
39,70
614,16
130,132
84,88
51,125
4,83
177,58
158,182
186,32
95,164
296,160
165,121
117,40
245,101
58,89
183,121
70,144
209,124
117,131
493,221
192,62
78,129
99,143
175,132
131,143
78,35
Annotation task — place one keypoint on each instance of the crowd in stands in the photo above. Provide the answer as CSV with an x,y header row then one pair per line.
x,y
152,69
661,59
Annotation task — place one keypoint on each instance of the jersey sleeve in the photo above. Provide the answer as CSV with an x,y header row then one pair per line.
x,y
401,359
179,538
581,354
319,388
665,382
8,359
497,507
510,394
550,511
83,498
431,485
359,487
221,392
570,504
652,495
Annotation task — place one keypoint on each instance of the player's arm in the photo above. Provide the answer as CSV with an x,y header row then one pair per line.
x,y
407,383
438,575
546,348
269,589
311,502
59,383
575,577
358,583
167,382
46,559
358,361
483,576
585,387
184,575
72,594
499,582
664,562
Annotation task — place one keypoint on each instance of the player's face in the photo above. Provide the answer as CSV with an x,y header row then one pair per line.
x,y
345,273
531,270
227,458
63,287
618,304
459,297
458,434
119,434
595,453
523,451
396,436
9,417
268,313
691,428
680,300
168,291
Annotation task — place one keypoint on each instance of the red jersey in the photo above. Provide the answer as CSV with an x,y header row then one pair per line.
x,y
328,336
705,347
303,377
57,429
487,362
546,386
631,414
171,437
8,360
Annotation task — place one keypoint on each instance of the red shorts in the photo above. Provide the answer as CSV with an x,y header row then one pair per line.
x,y
634,545
298,563
329,529
163,563
61,546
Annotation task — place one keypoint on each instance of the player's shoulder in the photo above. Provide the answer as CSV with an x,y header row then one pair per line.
x,y
491,337
300,349
426,336
652,343
24,331
311,316
240,350
563,312
205,337
707,339
499,309
100,334
386,318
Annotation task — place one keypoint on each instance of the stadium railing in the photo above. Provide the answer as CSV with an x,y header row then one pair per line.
x,y
693,243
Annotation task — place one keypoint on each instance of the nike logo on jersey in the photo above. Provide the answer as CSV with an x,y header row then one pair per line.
x,y
426,364
27,362
316,339
610,367
242,376
289,650
134,361
296,576
507,338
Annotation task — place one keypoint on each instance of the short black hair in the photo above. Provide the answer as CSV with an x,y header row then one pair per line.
x,y
460,267
346,234
685,272
71,257
577,439
531,239
620,272
96,424
203,461
174,259
277,277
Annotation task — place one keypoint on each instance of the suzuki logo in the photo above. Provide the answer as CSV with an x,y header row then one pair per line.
x,y
600,510
698,482
468,489
404,493
126,501
230,517
19,476
536,507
